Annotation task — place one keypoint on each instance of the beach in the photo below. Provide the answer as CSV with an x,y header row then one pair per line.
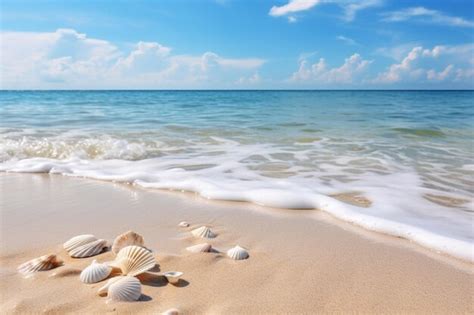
x,y
301,261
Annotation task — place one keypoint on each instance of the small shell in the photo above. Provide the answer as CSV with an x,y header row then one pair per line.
x,y
203,232
125,289
127,239
134,260
78,241
199,248
95,272
42,263
89,249
171,311
104,289
238,253
183,224
173,276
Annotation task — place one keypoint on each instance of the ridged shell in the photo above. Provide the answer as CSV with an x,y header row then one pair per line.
x,y
89,249
203,232
125,289
199,248
173,276
42,263
183,224
134,260
127,239
78,241
238,253
95,272
104,289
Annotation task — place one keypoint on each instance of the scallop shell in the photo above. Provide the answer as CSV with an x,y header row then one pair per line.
x,y
78,241
89,249
183,224
125,289
173,276
203,232
134,260
127,239
95,272
199,248
238,253
42,263
104,289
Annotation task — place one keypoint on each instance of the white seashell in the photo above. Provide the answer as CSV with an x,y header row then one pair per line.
x,y
42,263
203,232
238,253
125,289
89,249
134,260
171,311
183,224
127,239
78,241
95,272
173,276
103,290
199,248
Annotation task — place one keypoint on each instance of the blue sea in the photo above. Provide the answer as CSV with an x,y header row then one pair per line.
x,y
408,154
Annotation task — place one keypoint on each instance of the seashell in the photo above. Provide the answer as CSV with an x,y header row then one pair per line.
x,y
95,272
238,253
125,289
42,263
104,289
78,241
89,249
199,248
203,232
134,260
173,276
183,224
127,239
171,311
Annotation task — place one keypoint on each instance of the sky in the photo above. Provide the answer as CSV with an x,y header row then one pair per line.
x,y
237,44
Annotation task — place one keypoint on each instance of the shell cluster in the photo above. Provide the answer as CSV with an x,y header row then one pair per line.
x,y
85,245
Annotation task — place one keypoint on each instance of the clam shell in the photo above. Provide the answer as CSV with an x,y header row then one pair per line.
x,y
42,263
203,232
199,248
134,260
125,289
127,239
171,311
78,241
95,272
173,276
104,289
238,253
183,224
89,249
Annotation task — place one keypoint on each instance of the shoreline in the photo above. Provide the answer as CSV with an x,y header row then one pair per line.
x,y
300,260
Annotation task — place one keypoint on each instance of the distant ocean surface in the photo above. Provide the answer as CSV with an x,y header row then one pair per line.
x,y
408,154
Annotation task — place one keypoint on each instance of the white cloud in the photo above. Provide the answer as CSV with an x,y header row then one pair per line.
x,y
426,15
319,72
346,40
350,7
68,59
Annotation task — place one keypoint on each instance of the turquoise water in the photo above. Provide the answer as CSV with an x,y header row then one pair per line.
x,y
409,152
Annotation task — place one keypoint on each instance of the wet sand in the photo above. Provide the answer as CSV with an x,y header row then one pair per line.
x,y
301,261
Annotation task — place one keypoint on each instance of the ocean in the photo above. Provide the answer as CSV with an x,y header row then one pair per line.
x,y
396,162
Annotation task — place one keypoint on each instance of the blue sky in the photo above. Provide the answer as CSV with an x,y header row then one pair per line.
x,y
232,44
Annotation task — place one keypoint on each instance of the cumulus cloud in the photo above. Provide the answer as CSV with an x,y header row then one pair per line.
x,y
321,73
68,59
350,7
439,63
426,15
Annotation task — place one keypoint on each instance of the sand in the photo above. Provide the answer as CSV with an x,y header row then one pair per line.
x,y
300,261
